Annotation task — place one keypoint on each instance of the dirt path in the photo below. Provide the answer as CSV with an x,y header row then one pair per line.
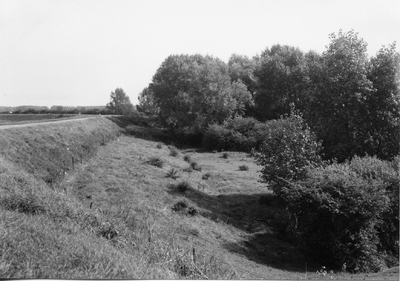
x,y
41,122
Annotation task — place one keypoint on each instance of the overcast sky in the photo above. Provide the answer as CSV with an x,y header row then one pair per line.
x,y
70,52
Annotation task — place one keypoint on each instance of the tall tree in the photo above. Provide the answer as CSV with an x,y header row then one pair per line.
x,y
194,91
147,102
382,134
120,103
280,81
338,108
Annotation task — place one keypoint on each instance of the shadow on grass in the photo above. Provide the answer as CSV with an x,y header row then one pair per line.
x,y
261,218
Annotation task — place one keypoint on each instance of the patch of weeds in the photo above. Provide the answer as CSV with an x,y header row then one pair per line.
x,y
188,169
243,168
225,155
206,176
156,161
192,211
183,186
159,146
173,151
108,231
180,205
195,166
187,158
172,173
110,189
26,205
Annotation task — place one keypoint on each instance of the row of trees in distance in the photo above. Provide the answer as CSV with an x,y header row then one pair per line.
x,y
55,109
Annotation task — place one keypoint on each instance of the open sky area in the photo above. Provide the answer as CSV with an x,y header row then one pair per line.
x,y
71,52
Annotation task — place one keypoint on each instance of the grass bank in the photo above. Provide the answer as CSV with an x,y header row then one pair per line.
x,y
9,119
136,208
50,151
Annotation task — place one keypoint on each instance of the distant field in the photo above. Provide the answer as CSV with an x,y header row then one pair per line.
x,y
8,119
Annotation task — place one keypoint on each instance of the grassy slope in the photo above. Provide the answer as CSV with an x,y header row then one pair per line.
x,y
10,119
131,231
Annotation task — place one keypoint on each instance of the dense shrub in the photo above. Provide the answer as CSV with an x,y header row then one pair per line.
x,y
289,147
236,134
372,169
347,213
343,213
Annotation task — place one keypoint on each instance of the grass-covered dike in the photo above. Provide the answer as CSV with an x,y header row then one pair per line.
x,y
114,214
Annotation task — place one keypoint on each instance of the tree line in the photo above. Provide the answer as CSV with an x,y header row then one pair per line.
x,y
350,100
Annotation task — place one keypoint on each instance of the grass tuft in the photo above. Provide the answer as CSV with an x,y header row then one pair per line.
x,y
172,173
180,205
243,168
192,211
156,161
195,166
187,158
173,151
183,186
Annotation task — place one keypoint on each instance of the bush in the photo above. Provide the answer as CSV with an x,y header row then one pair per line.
x,y
344,215
156,161
372,169
225,155
289,148
236,134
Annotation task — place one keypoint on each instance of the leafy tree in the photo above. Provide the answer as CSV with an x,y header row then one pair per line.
x,y
194,91
241,68
381,134
338,105
280,81
147,102
119,103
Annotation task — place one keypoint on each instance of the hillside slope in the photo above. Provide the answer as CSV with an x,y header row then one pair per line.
x,y
116,215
